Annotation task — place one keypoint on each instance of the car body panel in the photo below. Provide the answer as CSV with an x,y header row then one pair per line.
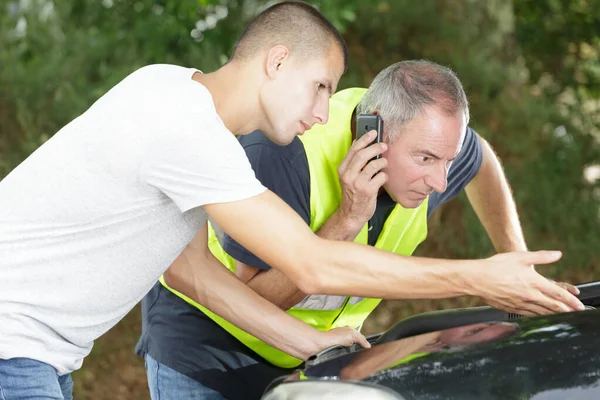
x,y
541,358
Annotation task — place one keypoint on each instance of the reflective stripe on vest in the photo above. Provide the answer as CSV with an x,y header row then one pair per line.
x,y
325,147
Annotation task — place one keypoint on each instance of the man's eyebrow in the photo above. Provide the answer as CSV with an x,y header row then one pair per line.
x,y
430,154
435,156
329,87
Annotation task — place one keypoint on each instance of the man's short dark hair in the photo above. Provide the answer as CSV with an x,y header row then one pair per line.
x,y
297,25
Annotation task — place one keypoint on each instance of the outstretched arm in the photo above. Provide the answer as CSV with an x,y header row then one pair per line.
x,y
318,266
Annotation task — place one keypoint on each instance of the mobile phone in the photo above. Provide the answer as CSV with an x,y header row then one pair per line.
x,y
369,122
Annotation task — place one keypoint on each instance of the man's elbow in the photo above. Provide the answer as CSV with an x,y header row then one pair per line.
x,y
175,280
170,277
308,267
310,283
312,277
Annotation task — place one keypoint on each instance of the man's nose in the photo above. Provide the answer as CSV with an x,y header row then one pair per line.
x,y
321,111
438,180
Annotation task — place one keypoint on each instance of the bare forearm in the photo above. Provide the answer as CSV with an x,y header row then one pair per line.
x,y
277,288
490,196
343,272
388,275
340,227
203,279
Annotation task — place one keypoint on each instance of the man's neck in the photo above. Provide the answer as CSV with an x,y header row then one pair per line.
x,y
236,96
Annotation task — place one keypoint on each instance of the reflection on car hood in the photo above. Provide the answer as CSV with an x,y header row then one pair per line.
x,y
551,357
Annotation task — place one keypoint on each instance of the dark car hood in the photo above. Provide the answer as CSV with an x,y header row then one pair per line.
x,y
553,357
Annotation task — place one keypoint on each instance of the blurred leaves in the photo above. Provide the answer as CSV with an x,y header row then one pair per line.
x,y
571,28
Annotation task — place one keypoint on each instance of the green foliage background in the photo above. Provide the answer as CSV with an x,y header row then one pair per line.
x,y
530,68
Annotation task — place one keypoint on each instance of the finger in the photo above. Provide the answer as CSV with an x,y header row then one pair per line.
x,y
550,305
361,340
364,156
561,295
378,181
366,139
539,305
358,145
541,257
371,169
570,288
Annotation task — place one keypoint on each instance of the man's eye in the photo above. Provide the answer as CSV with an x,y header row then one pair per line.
x,y
320,86
425,159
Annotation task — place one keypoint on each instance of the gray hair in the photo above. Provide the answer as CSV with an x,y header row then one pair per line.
x,y
400,93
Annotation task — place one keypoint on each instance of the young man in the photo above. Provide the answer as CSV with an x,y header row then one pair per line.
x,y
92,218
328,180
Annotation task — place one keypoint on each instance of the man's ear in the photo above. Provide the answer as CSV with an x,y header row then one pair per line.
x,y
275,59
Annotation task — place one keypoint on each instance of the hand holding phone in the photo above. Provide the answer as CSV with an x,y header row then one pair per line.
x,y
361,175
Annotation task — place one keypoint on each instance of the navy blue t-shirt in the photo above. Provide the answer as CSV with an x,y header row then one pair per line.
x,y
181,337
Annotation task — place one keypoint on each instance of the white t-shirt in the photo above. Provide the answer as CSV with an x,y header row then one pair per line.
x,y
93,217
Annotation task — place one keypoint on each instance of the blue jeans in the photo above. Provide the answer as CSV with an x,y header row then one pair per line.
x,y
23,378
167,384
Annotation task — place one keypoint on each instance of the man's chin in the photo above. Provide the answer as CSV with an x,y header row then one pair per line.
x,y
410,203
281,140
416,203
